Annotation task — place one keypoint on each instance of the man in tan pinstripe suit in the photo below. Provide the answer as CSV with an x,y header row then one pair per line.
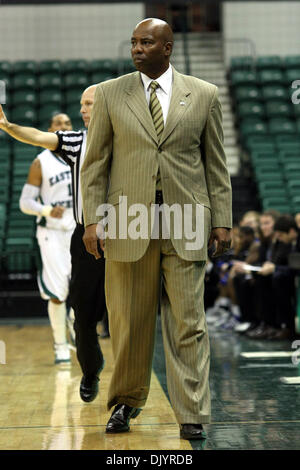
x,y
156,136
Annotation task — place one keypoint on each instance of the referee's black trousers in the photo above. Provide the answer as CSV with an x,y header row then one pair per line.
x,y
87,298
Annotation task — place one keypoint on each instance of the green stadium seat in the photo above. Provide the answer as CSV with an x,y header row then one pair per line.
x,y
282,126
250,109
241,63
49,66
24,115
76,80
20,232
291,75
266,167
125,66
73,97
24,97
46,112
30,222
287,142
24,66
19,254
263,155
291,166
270,77
253,127
296,110
4,194
74,66
271,175
98,77
293,187
21,169
4,166
73,110
243,77
272,92
28,156
77,124
280,207
50,81
26,81
247,93
268,62
260,143
107,66
291,62
278,108
5,66
271,193
51,97
288,156
5,153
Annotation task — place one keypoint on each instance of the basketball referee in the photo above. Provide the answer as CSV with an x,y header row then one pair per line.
x,y
87,296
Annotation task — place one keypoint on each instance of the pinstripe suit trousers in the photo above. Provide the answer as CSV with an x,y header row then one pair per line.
x,y
132,290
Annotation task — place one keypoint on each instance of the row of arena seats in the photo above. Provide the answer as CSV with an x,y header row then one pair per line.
x,y
18,247
269,126
36,90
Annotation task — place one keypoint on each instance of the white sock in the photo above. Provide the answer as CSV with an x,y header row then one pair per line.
x,y
236,311
222,302
57,316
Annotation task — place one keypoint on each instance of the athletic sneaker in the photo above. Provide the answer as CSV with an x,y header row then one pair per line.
x,y
223,317
62,353
242,327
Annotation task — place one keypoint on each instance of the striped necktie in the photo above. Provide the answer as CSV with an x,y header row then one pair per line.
x,y
155,110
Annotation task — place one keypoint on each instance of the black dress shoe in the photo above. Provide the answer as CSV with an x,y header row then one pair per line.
x,y
89,388
119,420
192,431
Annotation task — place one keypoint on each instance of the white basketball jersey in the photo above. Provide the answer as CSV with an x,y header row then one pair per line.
x,y
56,190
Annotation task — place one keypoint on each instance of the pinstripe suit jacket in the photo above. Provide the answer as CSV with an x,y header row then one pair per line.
x,y
123,155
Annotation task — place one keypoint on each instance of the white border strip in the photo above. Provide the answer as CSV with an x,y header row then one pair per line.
x,y
266,354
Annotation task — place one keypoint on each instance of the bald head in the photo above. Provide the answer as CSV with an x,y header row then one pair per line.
x,y
162,27
86,102
151,46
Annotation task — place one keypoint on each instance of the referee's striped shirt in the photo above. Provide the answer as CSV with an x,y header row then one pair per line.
x,y
71,148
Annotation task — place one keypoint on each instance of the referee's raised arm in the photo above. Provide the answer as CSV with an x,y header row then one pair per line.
x,y
28,135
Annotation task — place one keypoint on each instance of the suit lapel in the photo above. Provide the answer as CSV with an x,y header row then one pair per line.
x,y
136,100
180,101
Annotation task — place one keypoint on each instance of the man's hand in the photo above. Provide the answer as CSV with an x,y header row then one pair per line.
x,y
57,212
90,240
222,237
3,120
267,269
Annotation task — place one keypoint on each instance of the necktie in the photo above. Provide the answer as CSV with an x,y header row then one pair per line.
x,y
155,110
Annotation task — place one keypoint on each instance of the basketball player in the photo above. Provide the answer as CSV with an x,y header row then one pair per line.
x,y
87,295
48,195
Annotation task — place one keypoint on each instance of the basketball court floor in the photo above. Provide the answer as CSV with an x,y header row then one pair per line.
x,y
40,407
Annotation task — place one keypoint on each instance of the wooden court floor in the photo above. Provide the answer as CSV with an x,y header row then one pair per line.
x,y
40,407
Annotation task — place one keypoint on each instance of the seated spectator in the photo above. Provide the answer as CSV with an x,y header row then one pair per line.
x,y
244,284
226,309
251,219
275,285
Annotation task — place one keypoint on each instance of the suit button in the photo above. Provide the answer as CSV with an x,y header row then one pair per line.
x,y
159,150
